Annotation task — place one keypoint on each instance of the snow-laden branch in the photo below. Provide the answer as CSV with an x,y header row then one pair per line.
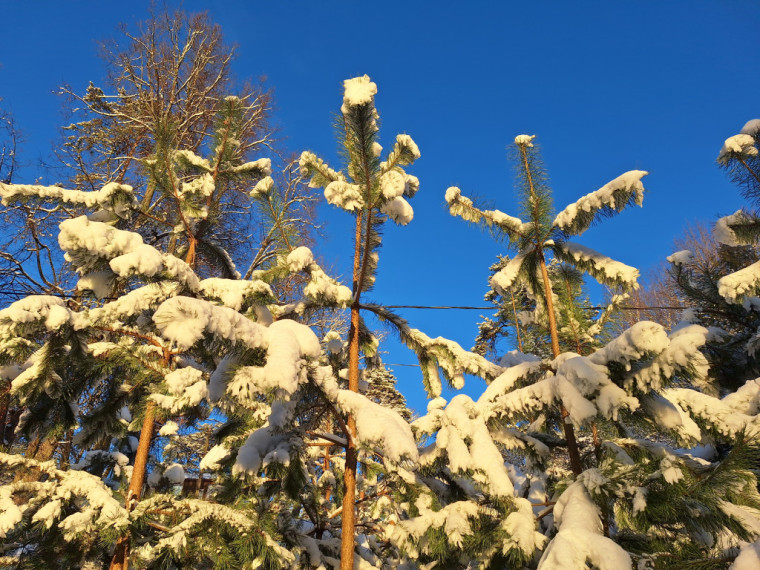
x,y
113,197
602,268
624,190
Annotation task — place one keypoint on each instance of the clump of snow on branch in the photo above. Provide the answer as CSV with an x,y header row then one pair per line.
x,y
90,244
92,502
380,426
682,257
212,460
235,293
398,210
580,538
187,388
288,343
184,321
601,267
737,146
724,233
735,286
344,195
299,259
463,439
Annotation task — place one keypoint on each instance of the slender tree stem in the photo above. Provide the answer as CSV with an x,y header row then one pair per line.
x,y
517,322
348,520
572,444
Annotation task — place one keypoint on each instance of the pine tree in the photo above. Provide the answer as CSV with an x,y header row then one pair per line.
x,y
634,393
105,369
542,233
373,191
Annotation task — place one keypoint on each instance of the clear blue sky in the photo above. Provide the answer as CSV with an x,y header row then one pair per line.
x,y
606,86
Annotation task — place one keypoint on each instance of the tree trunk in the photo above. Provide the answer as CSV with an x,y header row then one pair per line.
x,y
348,521
572,444
120,559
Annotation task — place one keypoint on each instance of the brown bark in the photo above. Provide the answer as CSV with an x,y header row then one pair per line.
x,y
120,560
572,443
348,521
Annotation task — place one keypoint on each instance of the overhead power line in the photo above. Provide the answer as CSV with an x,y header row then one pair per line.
x,y
424,307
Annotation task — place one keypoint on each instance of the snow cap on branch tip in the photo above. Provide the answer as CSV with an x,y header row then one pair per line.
x,y
742,145
263,186
722,231
357,91
344,195
406,141
452,194
680,257
751,128
398,210
524,140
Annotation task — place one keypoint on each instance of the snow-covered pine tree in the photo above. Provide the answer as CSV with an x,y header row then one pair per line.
x,y
372,191
105,370
639,396
542,233
719,277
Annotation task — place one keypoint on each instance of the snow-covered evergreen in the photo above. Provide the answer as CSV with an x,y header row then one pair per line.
x,y
177,418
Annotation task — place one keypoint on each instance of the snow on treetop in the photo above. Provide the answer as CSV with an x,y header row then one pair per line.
x,y
737,145
357,91
524,140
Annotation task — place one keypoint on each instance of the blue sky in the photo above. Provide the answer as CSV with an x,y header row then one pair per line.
x,y
607,87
